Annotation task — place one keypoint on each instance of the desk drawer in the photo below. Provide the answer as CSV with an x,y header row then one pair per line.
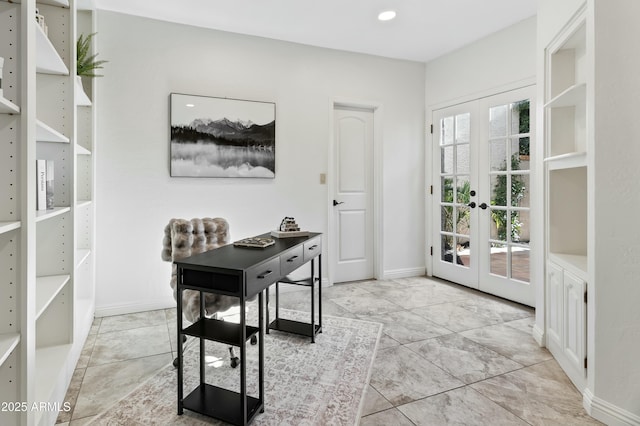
x,y
312,248
209,281
259,277
291,260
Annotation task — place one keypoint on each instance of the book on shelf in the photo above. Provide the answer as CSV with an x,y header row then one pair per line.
x,y
49,186
256,242
41,182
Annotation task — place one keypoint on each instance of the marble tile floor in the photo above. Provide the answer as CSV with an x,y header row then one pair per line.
x,y
448,355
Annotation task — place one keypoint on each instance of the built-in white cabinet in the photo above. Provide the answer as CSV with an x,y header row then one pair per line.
x,y
566,188
46,272
588,63
567,316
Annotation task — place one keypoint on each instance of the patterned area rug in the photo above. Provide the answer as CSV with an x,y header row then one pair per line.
x,y
306,383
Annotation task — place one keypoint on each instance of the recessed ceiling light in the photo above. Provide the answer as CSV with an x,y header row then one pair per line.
x,y
387,15
189,105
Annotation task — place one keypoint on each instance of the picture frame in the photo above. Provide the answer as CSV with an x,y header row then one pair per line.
x,y
217,137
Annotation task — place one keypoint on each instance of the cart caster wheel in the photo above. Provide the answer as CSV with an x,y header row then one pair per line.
x,y
254,339
235,361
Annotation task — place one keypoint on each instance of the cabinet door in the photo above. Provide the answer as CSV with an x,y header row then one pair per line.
x,y
556,304
575,315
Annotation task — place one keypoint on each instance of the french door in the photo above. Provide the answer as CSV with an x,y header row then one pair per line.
x,y
481,206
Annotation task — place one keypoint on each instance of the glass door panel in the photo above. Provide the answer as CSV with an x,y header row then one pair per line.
x,y
505,179
455,167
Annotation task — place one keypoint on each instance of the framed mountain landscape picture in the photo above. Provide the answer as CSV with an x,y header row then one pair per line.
x,y
222,137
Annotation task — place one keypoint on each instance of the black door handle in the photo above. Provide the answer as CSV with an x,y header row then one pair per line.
x,y
483,206
472,204
335,203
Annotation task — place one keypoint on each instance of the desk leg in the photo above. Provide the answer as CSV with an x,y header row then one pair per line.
x,y
202,353
313,302
261,349
179,341
320,293
243,360
267,324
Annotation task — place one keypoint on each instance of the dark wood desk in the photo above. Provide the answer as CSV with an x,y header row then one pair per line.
x,y
243,273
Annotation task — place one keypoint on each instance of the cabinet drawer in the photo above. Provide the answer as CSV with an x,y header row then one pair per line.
x,y
259,277
312,248
291,260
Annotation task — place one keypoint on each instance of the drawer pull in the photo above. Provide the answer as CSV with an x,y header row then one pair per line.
x,y
292,258
313,247
264,275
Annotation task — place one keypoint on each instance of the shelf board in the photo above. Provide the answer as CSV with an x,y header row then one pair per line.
x,y
9,226
81,150
50,363
8,343
48,61
81,96
570,160
83,203
8,107
575,263
48,214
226,407
572,96
47,288
81,256
45,133
220,331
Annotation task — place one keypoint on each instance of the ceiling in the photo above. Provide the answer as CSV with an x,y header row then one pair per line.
x,y
422,30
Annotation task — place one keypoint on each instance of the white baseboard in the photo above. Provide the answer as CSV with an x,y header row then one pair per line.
x,y
607,412
404,273
539,336
107,311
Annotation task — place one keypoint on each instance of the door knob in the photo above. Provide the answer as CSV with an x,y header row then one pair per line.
x,y
335,203
472,204
483,206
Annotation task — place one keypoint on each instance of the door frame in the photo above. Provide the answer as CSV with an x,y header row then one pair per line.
x,y
537,268
378,234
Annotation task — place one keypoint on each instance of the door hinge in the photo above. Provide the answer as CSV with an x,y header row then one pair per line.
x,y
585,362
431,189
431,250
432,129
585,295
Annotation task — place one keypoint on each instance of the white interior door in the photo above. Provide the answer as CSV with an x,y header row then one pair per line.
x,y
481,197
353,194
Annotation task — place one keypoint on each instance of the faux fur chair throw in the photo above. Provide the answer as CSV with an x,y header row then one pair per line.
x,y
183,238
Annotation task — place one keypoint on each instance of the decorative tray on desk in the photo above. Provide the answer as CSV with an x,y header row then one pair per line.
x,y
254,242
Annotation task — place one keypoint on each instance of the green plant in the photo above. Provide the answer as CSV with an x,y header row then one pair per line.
x,y
523,110
462,215
87,64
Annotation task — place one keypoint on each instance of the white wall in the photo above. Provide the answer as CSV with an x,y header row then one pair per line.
x,y
505,59
149,59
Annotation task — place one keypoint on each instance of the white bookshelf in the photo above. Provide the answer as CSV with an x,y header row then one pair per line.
x,y
566,163
47,282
